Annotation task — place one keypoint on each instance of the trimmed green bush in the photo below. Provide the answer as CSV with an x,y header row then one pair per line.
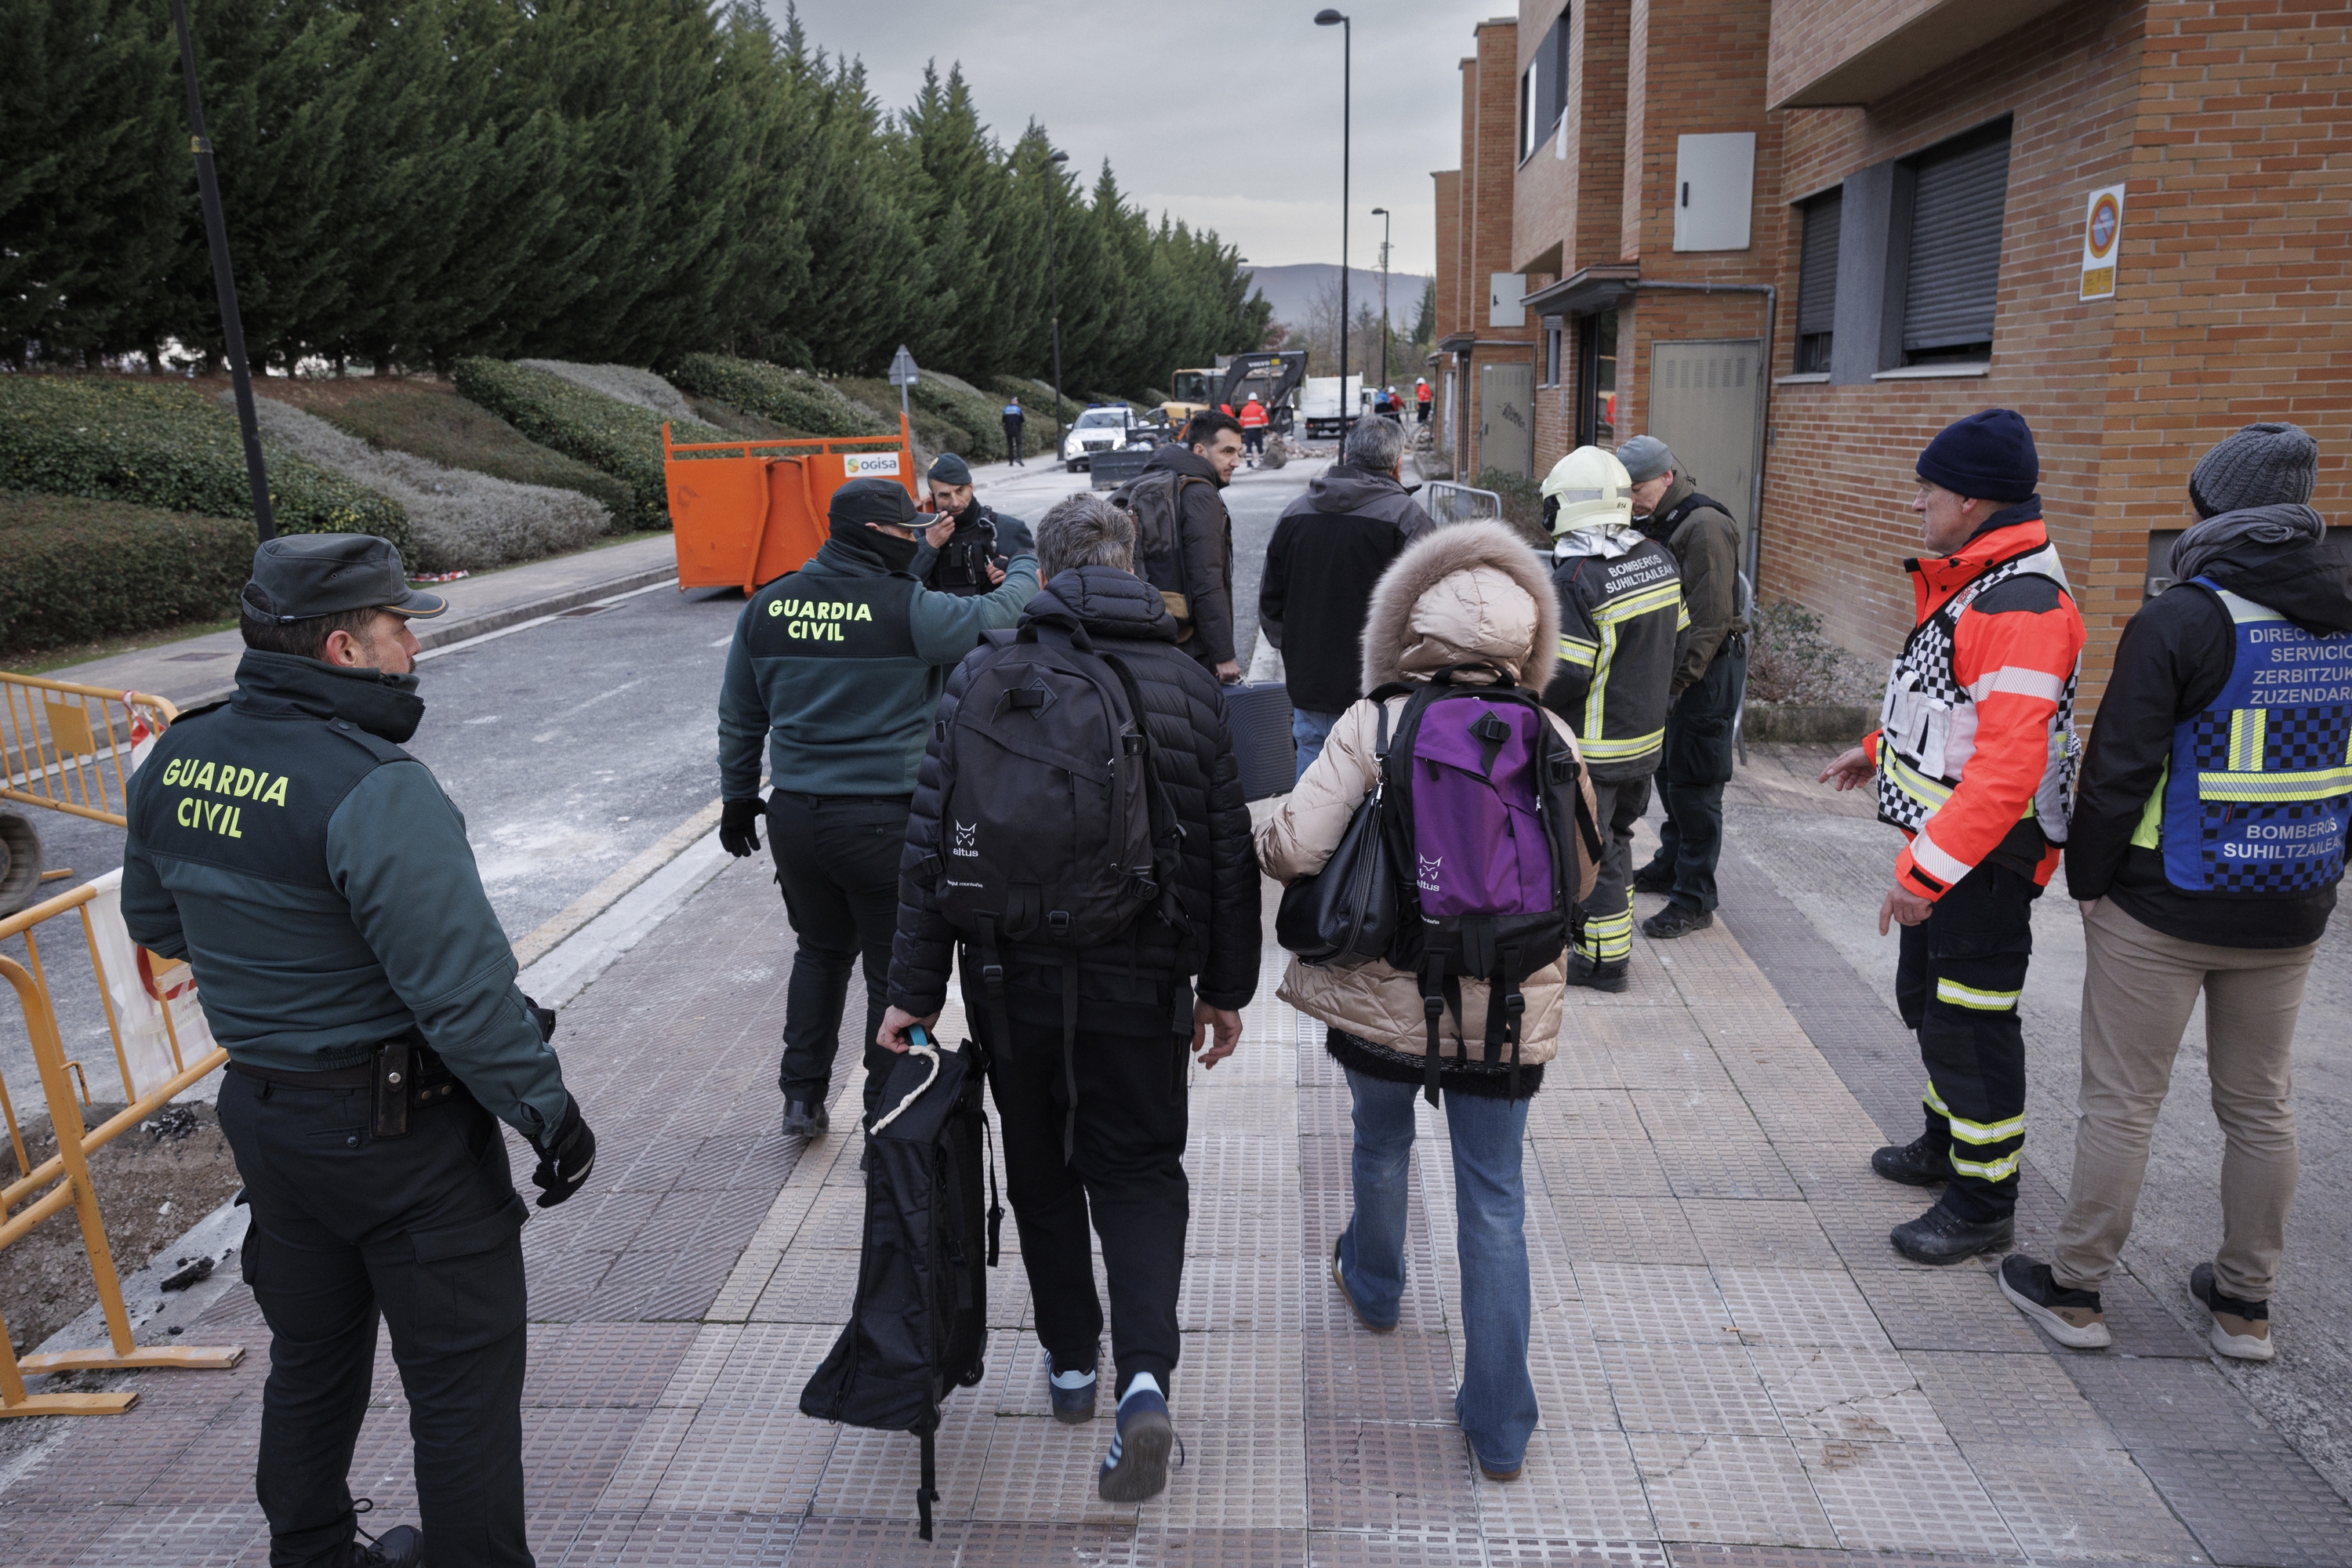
x,y
162,445
790,397
429,421
1522,502
73,569
621,438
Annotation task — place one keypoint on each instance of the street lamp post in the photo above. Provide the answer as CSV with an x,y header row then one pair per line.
x,y
1328,17
1054,288
1382,214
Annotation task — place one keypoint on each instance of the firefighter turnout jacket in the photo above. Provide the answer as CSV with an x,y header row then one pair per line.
x,y
1976,748
1622,627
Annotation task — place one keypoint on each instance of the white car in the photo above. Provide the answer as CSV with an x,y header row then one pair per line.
x,y
1104,428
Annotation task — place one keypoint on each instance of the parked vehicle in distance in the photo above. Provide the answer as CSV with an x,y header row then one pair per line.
x,y
1104,428
1318,404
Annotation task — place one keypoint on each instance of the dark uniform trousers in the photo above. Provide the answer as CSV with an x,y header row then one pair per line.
x,y
1128,1169
1956,982
837,860
1697,766
424,1228
1618,804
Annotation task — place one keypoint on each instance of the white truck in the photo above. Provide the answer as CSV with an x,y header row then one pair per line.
x,y
1319,404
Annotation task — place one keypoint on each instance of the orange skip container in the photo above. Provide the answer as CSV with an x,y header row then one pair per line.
x,y
746,512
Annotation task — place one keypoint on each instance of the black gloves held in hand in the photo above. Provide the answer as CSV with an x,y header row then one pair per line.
x,y
738,826
566,1157
542,1016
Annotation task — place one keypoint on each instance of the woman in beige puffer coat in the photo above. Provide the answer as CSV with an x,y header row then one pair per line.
x,y
1470,594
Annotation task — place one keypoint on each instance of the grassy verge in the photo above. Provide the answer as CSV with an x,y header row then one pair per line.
x,y
428,419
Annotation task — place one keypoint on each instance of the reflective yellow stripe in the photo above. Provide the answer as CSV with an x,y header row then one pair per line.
x,y
1682,619
2149,834
1912,782
1960,995
1617,751
2319,784
1639,604
2247,726
1996,1171
1577,651
2243,611
1936,1101
1987,1133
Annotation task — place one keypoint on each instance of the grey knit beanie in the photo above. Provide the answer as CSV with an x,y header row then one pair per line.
x,y
2262,465
1645,458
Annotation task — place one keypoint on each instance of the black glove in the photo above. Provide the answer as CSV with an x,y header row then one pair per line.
x,y
738,826
543,1016
566,1157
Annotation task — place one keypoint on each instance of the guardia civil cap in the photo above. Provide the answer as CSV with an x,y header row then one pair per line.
x,y
298,575
948,468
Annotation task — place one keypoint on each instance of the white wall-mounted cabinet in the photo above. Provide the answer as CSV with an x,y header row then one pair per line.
x,y
1715,190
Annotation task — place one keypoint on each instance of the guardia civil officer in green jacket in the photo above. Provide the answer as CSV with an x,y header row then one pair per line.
x,y
318,881
838,668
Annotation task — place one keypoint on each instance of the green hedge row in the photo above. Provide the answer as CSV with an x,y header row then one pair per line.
x,y
790,397
163,445
619,437
74,570
427,420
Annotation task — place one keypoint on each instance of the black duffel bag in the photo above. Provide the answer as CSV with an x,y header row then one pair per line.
x,y
1347,912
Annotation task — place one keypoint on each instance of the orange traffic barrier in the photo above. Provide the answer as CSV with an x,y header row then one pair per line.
x,y
746,512
66,1174
68,747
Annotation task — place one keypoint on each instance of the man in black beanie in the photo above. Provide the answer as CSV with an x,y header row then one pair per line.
x,y
2207,844
839,667
1974,762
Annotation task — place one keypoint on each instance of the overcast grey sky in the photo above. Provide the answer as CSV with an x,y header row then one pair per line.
x,y
1224,113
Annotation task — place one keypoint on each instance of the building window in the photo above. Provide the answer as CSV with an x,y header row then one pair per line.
x,y
1959,191
1553,335
1817,281
1543,89
1596,413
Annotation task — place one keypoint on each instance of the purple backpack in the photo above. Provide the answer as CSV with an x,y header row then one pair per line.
x,y
1488,823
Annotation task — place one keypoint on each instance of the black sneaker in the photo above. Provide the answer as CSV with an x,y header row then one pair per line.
x,y
2071,1317
1650,879
1597,976
2241,1329
401,1546
1940,1236
1674,921
1918,1164
806,1118
1074,1401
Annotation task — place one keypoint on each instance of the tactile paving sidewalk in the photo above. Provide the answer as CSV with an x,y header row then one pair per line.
x,y
1735,1369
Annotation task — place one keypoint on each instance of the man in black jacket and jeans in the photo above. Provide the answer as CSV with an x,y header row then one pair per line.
x,y
1199,566
2207,842
1329,548
1141,1004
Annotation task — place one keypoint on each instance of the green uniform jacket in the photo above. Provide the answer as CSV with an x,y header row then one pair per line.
x,y
839,667
1706,545
318,883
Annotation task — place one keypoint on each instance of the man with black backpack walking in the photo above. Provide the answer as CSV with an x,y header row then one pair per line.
x,y
1079,833
1185,537
837,667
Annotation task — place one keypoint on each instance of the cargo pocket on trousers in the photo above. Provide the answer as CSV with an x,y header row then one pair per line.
x,y
469,1280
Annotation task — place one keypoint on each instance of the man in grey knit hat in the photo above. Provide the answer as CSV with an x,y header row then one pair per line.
x,y
1704,692
2206,845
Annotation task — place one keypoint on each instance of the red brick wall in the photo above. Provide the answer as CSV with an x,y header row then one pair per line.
x,y
1448,251
1810,37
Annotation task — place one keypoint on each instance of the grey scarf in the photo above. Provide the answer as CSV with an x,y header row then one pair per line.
x,y
2218,535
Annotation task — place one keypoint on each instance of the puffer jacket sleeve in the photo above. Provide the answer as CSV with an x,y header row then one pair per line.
x,y
1208,547
1306,828
922,950
1229,978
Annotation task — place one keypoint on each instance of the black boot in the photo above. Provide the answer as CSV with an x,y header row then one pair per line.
x,y
1941,1236
805,1119
1923,1162
1598,976
1654,878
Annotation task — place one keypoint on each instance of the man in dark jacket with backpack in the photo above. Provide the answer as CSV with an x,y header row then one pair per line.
x,y
1087,991
1184,543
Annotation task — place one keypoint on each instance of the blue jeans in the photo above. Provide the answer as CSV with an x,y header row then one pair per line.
x,y
1308,730
1497,1403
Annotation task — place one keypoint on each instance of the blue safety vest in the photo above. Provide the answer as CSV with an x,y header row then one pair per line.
x,y
2258,791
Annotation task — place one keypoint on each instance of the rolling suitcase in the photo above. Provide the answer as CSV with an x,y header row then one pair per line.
x,y
1258,714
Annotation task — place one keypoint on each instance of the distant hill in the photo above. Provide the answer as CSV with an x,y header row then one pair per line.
x,y
1289,290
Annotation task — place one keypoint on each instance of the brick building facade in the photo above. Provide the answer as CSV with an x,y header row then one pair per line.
x,y
1801,237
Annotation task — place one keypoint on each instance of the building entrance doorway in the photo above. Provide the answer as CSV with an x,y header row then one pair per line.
x,y
1506,418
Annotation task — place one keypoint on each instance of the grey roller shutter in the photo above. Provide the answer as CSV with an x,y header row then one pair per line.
x,y
1817,272
1955,273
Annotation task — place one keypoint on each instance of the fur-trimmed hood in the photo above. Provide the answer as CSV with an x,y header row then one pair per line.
x,y
1469,593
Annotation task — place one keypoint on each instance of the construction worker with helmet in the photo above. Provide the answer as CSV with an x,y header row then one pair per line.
x,y
1621,628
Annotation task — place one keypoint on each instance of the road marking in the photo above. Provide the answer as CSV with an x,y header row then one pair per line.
x,y
538,621
722,642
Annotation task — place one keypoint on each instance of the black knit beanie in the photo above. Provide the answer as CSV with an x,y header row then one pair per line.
x,y
1986,456
2262,465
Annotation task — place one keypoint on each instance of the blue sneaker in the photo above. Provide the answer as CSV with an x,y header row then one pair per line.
x,y
1073,1393
1136,1465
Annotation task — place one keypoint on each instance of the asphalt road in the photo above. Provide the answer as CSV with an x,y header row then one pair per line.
x,y
571,747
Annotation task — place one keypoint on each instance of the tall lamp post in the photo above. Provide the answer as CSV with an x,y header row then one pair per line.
x,y
1328,17
1053,287
232,324
1382,214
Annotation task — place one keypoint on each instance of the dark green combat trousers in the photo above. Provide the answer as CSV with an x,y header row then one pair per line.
x,y
1697,766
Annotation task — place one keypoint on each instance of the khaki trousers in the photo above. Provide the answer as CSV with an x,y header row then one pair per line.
x,y
2140,987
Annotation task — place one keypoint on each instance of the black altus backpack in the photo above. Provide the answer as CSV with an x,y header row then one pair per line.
x,y
919,1326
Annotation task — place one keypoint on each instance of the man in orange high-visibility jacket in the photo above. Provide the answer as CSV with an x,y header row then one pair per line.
x,y
1254,422
1974,760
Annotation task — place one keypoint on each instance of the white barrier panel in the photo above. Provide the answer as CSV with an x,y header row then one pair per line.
x,y
141,997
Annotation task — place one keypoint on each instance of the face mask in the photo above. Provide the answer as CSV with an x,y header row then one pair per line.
x,y
897,554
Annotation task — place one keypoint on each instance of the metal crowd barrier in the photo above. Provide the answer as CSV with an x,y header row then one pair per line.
x,y
67,747
1446,501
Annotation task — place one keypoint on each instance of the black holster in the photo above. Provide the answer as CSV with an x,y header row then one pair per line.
x,y
404,1073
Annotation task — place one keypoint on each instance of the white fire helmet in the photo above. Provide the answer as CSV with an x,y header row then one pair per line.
x,y
1588,488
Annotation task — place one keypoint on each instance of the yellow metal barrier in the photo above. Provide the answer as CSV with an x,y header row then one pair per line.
x,y
59,742
66,1174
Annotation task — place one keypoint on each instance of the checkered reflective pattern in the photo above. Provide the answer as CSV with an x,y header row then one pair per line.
x,y
2295,740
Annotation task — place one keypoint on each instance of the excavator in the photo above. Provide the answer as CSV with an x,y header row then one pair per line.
x,y
1273,374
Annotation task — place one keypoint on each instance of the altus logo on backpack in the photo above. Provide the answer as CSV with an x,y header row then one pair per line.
x,y
1428,865
965,838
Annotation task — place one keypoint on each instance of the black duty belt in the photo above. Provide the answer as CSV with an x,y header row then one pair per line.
x,y
402,1074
